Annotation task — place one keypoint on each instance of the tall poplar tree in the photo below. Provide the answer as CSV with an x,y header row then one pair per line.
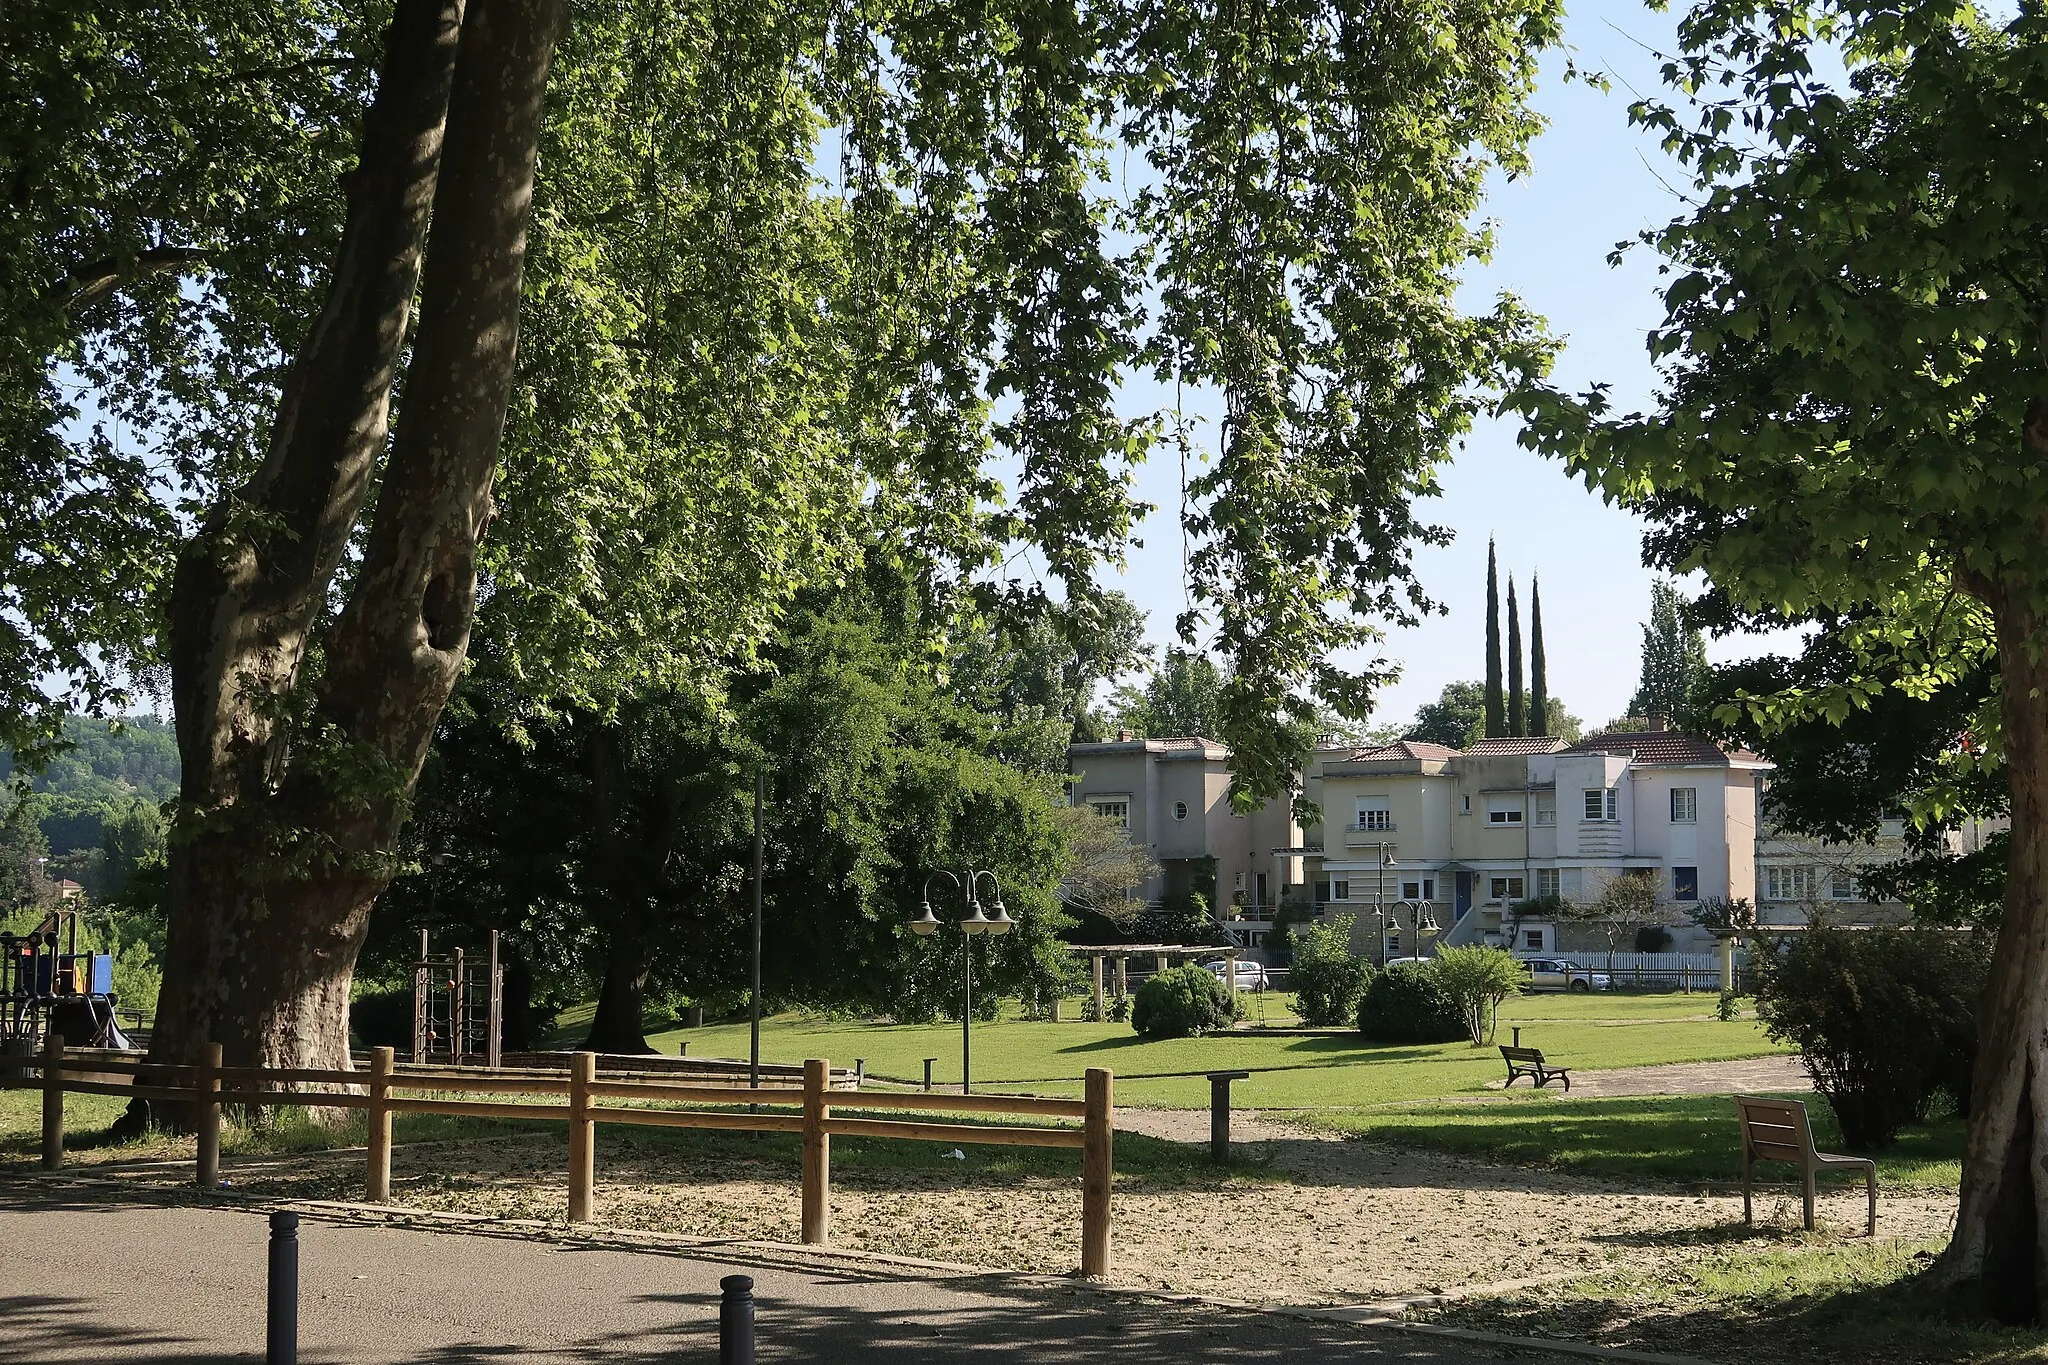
x,y
1674,666
1518,721
1539,681
1496,707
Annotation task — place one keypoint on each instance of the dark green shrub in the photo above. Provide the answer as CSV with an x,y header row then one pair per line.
x,y
1654,938
1327,989
1181,1002
1884,1019
1406,1005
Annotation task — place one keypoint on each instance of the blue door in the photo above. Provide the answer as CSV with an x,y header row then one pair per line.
x,y
1464,893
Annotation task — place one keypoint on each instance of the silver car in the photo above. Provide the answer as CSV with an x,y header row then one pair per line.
x,y
1251,976
1555,974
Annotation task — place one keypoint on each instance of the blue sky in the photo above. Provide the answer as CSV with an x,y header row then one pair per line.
x,y
1596,181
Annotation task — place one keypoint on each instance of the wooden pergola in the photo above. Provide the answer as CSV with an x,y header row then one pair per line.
x,y
1160,953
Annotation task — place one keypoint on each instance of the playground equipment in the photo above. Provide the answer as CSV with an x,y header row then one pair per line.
x,y
458,1007
47,985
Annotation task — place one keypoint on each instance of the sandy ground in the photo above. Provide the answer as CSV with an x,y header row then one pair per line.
x,y
1330,1219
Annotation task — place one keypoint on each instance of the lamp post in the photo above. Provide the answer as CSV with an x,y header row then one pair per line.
x,y
1379,897
1420,920
976,922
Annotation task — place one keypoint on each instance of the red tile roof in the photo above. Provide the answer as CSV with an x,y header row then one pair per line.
x,y
1524,744
1664,746
1402,749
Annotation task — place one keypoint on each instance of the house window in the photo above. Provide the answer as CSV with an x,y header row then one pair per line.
x,y
1603,803
1504,888
1466,809
1374,813
1685,883
1788,883
1546,808
1502,811
1842,885
1340,890
1685,805
1532,940
1547,881
1322,892
1180,810
1421,890
1117,808
1571,882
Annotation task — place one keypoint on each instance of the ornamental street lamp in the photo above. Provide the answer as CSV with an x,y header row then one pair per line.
x,y
927,924
1420,921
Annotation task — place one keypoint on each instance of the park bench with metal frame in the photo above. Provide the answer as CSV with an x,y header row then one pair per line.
x,y
1528,1061
1777,1130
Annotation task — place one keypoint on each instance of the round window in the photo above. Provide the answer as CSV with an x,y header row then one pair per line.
x,y
1180,810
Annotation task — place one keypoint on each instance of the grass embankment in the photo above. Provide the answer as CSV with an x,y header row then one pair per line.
x,y
1767,1295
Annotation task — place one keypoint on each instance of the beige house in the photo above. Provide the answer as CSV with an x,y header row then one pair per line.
x,y
1456,837
1173,796
1800,879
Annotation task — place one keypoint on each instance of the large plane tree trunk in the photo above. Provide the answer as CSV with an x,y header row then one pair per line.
x,y
2001,1237
302,734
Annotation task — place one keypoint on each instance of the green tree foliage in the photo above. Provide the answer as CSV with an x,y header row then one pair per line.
x,y
1455,718
1182,696
1496,702
1884,1019
1674,668
614,850
1518,715
1477,978
23,850
1182,1002
1851,399
1540,720
1326,977
1035,666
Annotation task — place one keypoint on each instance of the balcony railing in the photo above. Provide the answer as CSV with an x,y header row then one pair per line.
x,y
1355,835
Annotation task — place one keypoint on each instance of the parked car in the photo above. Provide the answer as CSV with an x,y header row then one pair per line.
x,y
1251,976
1556,974
1406,961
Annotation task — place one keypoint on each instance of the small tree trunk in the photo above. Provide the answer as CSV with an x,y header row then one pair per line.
x,y
2002,1218
616,1027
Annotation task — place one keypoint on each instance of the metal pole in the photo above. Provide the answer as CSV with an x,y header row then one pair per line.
x,y
736,1320
494,1054
754,1052
966,1014
281,1338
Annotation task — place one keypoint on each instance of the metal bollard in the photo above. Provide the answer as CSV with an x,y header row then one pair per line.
x,y
928,1071
1219,1112
281,1334
860,1072
736,1320
1518,1037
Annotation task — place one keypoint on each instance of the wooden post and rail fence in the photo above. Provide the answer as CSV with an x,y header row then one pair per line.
x,y
812,1111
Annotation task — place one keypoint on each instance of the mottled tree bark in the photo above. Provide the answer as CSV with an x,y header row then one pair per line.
x,y
2001,1237
295,778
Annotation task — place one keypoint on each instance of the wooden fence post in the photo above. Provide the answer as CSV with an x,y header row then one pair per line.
x,y
208,1172
817,1153
53,1100
582,1137
382,1063
1097,1127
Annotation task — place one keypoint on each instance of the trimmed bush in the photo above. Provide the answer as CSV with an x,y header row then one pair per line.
x,y
1884,1019
1407,1005
1326,979
1180,1003
1476,979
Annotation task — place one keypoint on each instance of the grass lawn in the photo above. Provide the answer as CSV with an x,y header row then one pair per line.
x,y
1313,1073
1766,1295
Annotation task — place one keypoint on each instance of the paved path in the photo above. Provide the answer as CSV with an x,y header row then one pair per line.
x,y
1751,1076
83,1279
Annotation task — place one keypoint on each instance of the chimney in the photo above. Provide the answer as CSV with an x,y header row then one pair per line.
x,y
1658,722
1123,736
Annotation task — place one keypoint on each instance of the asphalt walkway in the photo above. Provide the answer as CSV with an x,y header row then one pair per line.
x,y
84,1279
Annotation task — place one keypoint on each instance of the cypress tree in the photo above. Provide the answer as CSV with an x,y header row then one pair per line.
x,y
1539,685
1496,725
1517,718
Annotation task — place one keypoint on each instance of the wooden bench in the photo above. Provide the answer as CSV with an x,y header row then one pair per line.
x,y
1777,1130
1528,1061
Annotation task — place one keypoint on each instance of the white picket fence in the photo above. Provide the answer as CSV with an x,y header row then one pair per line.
x,y
1695,971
